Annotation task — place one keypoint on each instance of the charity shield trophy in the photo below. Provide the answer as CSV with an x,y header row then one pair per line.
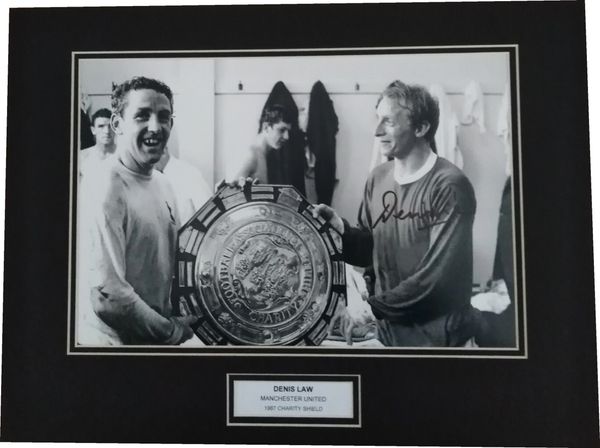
x,y
257,268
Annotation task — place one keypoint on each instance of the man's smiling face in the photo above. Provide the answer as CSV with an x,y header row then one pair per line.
x,y
395,131
145,125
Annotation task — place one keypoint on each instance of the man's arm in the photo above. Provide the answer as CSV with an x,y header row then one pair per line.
x,y
447,261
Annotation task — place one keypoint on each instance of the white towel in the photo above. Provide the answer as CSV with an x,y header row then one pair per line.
x,y
473,106
358,308
446,137
504,127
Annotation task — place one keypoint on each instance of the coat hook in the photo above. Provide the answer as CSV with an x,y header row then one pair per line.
x,y
240,86
357,87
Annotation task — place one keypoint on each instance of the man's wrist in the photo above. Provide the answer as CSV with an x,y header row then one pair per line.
x,y
176,333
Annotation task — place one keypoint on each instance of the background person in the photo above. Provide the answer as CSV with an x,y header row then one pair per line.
x,y
276,124
190,189
104,138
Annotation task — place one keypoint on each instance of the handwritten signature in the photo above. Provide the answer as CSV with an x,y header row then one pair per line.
x,y
427,217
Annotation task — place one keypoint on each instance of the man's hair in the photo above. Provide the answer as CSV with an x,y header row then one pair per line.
x,y
423,107
119,92
101,113
275,113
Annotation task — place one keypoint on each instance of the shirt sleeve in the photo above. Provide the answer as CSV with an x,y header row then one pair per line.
x,y
113,299
446,268
357,241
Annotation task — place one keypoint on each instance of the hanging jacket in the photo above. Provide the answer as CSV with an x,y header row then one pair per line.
x,y
86,138
286,165
321,130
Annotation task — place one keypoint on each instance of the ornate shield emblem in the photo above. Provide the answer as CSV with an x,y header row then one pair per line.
x,y
258,269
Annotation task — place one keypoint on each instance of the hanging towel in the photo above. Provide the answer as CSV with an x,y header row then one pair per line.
x,y
504,126
321,130
286,165
473,106
446,137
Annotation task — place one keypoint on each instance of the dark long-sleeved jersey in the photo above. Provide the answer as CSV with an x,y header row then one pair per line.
x,y
418,236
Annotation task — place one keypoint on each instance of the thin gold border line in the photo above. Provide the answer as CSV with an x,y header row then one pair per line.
x,y
320,355
512,222
248,348
72,275
463,355
270,50
522,210
227,422
359,400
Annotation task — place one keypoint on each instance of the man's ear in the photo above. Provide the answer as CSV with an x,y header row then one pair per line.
x,y
115,123
422,129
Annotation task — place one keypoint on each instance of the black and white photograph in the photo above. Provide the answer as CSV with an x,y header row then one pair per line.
x,y
337,199
309,224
